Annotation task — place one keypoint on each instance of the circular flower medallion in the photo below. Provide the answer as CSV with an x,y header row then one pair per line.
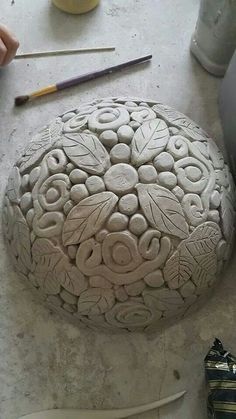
x,y
120,252
121,214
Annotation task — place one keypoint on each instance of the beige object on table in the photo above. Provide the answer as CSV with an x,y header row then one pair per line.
x,y
76,6
103,414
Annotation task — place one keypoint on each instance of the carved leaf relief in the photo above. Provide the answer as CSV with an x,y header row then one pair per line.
x,y
163,210
215,154
203,239
178,269
179,120
87,217
149,140
21,238
193,131
86,152
41,143
195,256
7,218
95,301
227,214
53,269
71,278
167,113
46,254
205,269
13,186
163,299
47,257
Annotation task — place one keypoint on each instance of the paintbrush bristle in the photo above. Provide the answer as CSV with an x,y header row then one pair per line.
x,y
21,100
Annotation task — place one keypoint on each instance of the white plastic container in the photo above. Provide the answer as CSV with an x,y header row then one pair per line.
x,y
214,40
227,103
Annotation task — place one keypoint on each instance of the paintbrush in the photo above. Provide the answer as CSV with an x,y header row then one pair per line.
x,y
21,100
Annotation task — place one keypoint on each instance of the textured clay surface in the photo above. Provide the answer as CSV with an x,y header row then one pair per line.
x,y
121,214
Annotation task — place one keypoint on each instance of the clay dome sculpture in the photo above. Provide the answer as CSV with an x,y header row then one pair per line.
x,y
121,214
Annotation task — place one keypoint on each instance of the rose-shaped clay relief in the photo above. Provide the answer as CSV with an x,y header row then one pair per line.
x,y
121,214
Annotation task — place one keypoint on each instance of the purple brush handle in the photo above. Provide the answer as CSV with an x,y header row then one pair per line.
x,y
94,75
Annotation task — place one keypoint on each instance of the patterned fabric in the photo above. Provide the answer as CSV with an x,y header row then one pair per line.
x,y
220,367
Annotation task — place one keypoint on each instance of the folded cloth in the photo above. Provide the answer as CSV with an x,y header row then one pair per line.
x,y
220,368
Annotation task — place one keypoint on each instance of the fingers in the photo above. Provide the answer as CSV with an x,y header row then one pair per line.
x,y
8,46
3,52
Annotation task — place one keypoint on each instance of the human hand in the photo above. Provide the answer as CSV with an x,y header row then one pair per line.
x,y
8,46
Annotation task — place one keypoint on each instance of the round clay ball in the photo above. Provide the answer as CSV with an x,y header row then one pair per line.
x,y
120,153
131,104
173,131
78,176
101,235
95,184
134,125
67,116
25,182
215,199
125,134
179,193
26,202
72,250
117,222
193,173
214,216
78,192
69,168
167,179
138,224
163,162
121,178
30,216
128,204
108,138
147,174
34,175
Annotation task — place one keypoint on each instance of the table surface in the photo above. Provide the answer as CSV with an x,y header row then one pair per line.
x,y
44,361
